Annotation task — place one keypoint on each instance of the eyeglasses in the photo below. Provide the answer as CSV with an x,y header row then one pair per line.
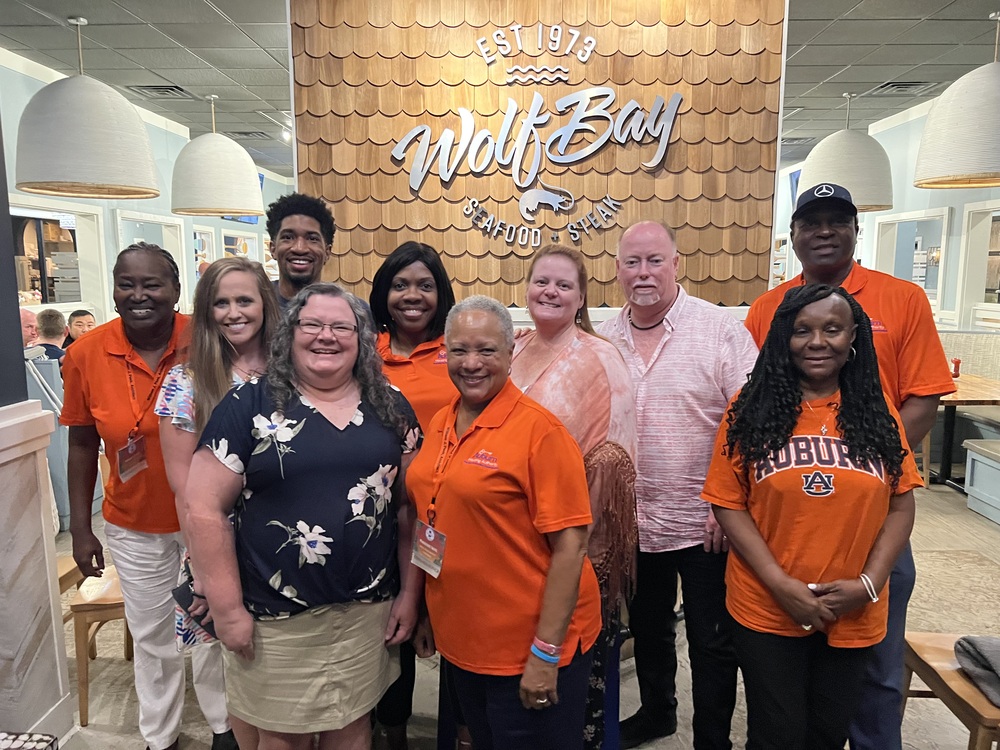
x,y
314,328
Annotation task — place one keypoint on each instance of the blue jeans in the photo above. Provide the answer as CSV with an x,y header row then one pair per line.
x,y
878,718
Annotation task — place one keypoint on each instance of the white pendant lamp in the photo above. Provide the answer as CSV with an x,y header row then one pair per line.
x,y
215,176
853,160
80,138
960,146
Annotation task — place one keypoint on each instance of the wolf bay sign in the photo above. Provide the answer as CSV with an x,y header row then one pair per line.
x,y
521,145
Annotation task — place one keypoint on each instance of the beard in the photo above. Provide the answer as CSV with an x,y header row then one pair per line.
x,y
645,297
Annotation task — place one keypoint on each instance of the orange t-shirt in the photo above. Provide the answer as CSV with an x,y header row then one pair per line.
x,y
911,360
97,392
513,477
422,377
819,514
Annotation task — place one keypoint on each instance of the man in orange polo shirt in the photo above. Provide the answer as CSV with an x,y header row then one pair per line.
x,y
914,374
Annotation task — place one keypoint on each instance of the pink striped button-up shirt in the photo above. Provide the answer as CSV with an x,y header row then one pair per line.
x,y
681,396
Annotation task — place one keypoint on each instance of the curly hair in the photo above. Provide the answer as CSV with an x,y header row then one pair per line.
x,y
375,388
765,412
299,203
210,355
403,256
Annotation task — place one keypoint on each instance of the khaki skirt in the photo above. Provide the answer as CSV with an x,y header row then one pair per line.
x,y
315,672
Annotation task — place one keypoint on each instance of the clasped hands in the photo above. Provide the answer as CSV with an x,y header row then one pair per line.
x,y
817,605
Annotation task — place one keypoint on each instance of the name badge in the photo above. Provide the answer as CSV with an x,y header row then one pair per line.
x,y
132,458
428,549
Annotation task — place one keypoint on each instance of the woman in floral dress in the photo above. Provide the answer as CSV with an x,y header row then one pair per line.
x,y
311,581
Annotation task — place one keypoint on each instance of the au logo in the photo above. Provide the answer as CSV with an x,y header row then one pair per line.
x,y
817,484
521,147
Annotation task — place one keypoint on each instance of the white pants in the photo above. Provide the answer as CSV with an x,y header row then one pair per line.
x,y
148,565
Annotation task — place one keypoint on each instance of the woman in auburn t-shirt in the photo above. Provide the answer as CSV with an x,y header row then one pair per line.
x,y
812,484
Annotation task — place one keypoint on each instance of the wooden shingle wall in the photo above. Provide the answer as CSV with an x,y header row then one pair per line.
x,y
368,71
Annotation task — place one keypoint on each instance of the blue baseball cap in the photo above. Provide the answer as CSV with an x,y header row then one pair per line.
x,y
822,195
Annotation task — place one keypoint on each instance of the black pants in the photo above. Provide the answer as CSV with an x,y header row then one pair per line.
x,y
709,633
801,692
492,709
396,706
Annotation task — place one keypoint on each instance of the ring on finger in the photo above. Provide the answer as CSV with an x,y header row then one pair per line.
x,y
542,701
807,627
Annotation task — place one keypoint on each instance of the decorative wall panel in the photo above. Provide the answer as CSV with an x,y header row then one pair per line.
x,y
683,95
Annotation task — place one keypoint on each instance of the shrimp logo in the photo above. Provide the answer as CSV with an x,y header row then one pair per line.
x,y
555,198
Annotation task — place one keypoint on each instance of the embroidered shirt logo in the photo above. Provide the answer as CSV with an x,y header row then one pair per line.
x,y
878,326
483,458
817,484
442,357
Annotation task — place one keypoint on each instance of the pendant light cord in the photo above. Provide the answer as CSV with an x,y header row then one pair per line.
x,y
211,98
79,47
847,96
996,42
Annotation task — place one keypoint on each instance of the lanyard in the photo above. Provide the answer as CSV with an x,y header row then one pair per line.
x,y
140,411
440,470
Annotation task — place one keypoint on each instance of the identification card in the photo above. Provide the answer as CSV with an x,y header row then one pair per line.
x,y
132,458
428,549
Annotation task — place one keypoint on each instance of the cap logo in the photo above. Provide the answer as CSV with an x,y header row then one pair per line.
x,y
824,191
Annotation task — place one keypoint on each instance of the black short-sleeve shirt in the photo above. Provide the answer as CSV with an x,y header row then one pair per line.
x,y
316,522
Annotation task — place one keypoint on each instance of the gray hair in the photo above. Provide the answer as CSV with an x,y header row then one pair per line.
x,y
375,388
481,303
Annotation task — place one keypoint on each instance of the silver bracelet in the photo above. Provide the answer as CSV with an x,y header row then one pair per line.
x,y
869,587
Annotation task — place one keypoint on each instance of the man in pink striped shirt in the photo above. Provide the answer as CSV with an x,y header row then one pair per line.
x,y
687,358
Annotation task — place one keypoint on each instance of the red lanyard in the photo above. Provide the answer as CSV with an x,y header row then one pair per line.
x,y
440,471
140,411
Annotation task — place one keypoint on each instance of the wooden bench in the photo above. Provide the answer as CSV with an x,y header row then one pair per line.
x,y
931,656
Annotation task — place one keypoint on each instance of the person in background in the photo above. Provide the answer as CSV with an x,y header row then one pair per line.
x,y
301,229
914,373
812,484
235,315
112,377
687,358
501,496
582,379
310,581
51,332
410,300
29,327
80,322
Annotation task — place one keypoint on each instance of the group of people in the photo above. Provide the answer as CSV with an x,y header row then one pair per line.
x,y
50,330
346,486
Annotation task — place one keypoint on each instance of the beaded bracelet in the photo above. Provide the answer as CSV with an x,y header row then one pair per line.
x,y
547,658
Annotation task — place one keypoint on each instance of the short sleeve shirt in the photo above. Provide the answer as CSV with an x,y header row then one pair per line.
x,y
316,522
422,377
176,399
819,513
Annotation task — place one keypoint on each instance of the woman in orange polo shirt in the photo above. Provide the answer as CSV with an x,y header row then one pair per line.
x,y
813,487
501,494
410,300
112,377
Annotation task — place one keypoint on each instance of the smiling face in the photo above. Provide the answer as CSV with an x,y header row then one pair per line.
x,y
145,292
647,265
300,250
821,343
237,308
824,242
478,357
325,358
554,294
413,300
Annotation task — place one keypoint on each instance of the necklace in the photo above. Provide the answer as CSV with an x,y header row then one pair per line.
x,y
822,428
646,328
247,375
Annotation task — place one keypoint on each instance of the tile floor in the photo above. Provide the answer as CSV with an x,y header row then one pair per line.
x,y
958,563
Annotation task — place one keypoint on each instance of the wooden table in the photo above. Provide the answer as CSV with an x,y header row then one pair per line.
x,y
973,390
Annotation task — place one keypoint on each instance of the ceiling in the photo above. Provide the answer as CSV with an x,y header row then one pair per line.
x,y
238,50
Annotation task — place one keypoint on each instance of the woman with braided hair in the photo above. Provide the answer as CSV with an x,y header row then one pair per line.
x,y
812,483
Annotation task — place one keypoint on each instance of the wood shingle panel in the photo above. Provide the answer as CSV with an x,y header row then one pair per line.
x,y
367,73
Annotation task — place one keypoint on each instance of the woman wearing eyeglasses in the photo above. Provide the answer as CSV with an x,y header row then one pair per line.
x,y
311,581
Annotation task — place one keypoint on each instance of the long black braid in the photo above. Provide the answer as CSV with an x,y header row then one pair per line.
x,y
762,418
149,247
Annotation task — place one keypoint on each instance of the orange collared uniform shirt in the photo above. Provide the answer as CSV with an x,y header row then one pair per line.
x,y
513,477
97,392
819,514
422,377
911,360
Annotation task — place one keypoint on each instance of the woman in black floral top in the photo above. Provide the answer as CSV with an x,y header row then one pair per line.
x,y
312,579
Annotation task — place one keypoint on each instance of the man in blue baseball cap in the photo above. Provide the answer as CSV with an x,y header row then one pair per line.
x,y
914,374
